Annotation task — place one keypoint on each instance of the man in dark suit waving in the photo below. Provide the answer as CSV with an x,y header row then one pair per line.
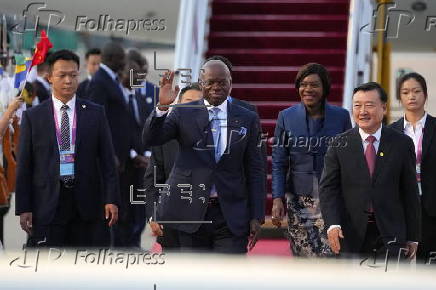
x,y
368,189
217,184
65,154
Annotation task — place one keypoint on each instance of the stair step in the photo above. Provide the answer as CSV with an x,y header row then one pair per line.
x,y
276,92
280,7
282,57
275,39
261,22
277,74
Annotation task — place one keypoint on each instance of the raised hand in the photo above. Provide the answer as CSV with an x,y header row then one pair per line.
x,y
167,94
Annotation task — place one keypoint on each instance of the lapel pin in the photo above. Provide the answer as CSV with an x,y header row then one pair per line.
x,y
382,154
84,106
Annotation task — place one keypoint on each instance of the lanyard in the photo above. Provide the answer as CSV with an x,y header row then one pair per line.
x,y
419,157
58,131
419,151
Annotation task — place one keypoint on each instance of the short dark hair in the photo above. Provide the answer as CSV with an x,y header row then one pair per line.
x,y
92,51
63,54
413,75
366,87
318,69
224,59
192,86
134,55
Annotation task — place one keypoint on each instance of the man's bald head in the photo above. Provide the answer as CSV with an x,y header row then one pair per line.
x,y
113,56
216,82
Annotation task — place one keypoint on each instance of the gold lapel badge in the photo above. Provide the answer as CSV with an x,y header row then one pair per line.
x,y
382,154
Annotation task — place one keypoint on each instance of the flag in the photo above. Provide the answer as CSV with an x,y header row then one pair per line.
x,y
28,63
20,71
42,47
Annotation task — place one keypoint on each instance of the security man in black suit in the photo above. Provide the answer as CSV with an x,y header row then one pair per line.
x,y
67,191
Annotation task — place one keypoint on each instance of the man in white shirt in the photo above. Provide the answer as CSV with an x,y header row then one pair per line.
x,y
368,191
67,191
216,197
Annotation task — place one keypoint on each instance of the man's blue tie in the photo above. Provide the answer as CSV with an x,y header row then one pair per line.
x,y
216,132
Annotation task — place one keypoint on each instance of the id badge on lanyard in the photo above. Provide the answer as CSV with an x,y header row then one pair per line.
x,y
66,163
66,157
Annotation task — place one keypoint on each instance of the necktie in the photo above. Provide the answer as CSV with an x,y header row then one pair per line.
x,y
132,108
65,129
216,132
370,154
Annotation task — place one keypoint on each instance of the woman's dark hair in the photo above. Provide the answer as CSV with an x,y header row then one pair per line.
x,y
366,87
62,54
318,69
413,75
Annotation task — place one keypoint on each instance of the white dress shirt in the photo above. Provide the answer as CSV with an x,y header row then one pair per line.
x,y
365,135
57,104
416,133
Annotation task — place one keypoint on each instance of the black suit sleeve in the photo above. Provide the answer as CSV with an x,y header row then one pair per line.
x,y
107,163
159,130
23,191
409,194
155,170
255,173
330,192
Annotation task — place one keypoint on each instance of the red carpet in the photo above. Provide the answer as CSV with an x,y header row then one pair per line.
x,y
267,247
268,40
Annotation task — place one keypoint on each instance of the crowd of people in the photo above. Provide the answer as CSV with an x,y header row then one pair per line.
x,y
198,157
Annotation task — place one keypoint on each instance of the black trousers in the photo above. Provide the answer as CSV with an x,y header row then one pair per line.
x,y
427,246
170,239
213,237
132,217
376,245
68,229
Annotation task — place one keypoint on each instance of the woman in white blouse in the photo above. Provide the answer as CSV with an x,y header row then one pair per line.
x,y
421,127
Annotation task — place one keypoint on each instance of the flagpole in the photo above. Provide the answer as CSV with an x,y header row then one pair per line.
x,y
25,81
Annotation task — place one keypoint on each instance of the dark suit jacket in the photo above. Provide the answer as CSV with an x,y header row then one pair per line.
x,y
38,178
82,90
41,92
105,91
428,164
238,176
145,104
161,163
294,163
346,189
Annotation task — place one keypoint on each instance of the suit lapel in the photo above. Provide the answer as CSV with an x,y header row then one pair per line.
x,y
234,123
356,147
301,120
203,127
383,148
80,107
429,128
49,120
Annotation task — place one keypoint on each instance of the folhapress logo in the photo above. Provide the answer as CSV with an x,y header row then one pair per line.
x,y
107,23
